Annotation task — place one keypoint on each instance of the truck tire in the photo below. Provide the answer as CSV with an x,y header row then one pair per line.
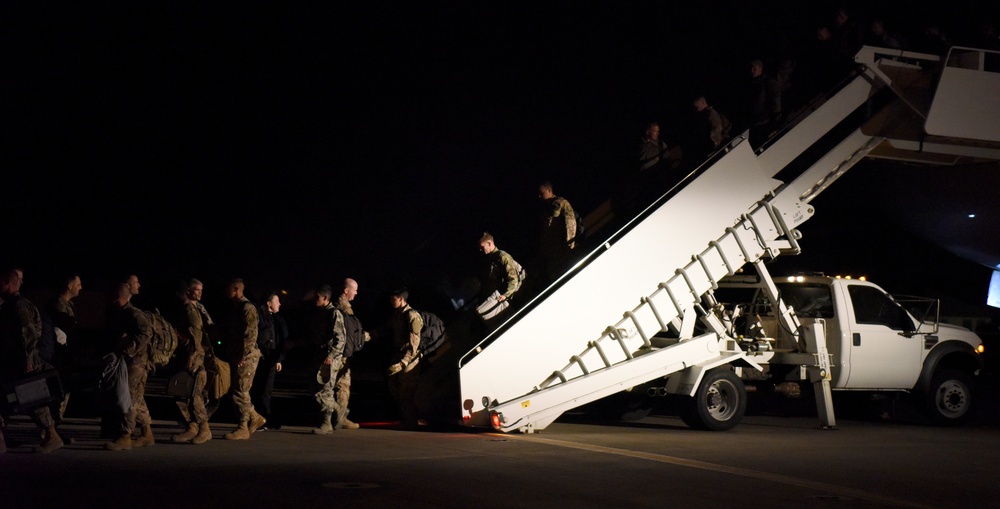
x,y
948,400
719,403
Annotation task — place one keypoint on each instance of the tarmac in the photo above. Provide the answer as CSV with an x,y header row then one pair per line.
x,y
778,457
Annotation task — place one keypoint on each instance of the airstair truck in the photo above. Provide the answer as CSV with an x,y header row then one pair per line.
x,y
638,307
877,342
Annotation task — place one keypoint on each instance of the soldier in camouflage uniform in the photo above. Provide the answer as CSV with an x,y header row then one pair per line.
x,y
334,375
244,355
131,332
406,326
501,280
558,230
20,329
194,348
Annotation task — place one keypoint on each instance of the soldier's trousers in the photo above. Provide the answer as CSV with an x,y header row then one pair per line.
x,y
403,388
243,383
139,415
335,389
193,410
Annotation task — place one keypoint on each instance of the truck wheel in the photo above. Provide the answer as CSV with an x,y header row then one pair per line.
x,y
948,400
719,403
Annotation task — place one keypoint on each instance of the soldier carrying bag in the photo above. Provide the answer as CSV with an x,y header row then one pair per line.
x,y
31,391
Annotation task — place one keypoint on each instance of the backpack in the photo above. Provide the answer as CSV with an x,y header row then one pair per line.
x,y
432,335
521,274
355,339
727,126
164,341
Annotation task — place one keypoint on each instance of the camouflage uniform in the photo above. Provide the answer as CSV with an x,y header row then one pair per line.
x,y
406,327
132,331
20,330
501,279
192,355
558,233
244,334
334,372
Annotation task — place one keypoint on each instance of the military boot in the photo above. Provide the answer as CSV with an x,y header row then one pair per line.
x,y
52,441
204,434
123,443
326,427
146,438
187,435
348,424
256,421
240,433
343,422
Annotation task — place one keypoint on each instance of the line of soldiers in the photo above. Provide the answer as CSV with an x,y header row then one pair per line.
x,y
120,368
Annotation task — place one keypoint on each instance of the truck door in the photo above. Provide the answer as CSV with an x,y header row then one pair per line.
x,y
880,357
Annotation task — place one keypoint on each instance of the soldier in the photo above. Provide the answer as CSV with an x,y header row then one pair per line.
x,y
503,278
131,331
244,355
67,334
20,329
194,348
558,230
652,150
334,374
406,327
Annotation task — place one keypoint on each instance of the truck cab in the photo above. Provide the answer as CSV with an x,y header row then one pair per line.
x,y
876,341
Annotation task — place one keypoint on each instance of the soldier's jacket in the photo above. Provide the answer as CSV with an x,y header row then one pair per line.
x,y
132,331
406,327
246,327
64,314
197,346
558,222
501,273
20,329
334,335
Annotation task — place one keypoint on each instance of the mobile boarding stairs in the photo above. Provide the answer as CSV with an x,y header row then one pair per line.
x,y
634,309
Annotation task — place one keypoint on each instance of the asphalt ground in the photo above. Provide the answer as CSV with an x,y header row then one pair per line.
x,y
767,461
883,454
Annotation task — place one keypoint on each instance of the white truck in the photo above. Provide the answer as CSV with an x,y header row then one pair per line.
x,y
641,307
877,342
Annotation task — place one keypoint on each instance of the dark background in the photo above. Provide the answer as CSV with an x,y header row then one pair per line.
x,y
295,143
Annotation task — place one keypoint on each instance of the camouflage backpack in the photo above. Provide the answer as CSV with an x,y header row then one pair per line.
x,y
163,344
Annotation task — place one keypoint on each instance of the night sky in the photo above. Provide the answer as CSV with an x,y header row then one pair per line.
x,y
295,143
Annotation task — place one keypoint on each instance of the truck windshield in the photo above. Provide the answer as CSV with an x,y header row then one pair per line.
x,y
808,300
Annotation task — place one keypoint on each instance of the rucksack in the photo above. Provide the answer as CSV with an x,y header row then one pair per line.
x,y
164,342
521,273
432,335
355,339
726,125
